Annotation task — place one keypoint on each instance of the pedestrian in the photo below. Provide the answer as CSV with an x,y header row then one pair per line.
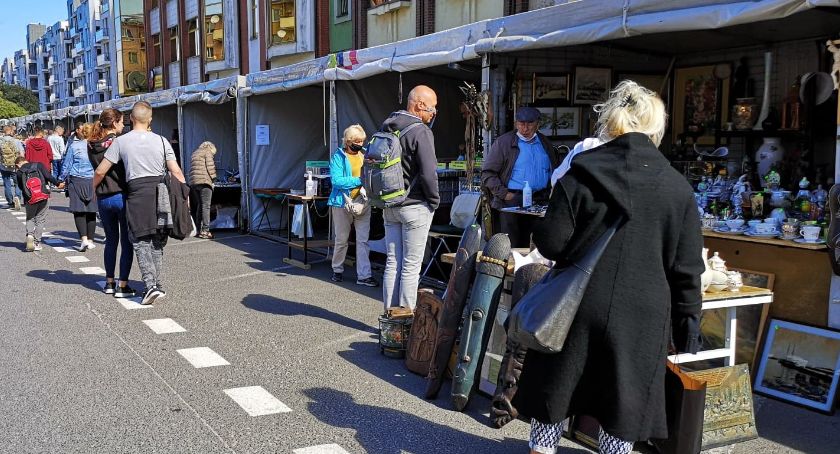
x,y
33,177
77,130
407,225
349,206
56,140
78,177
519,157
644,292
202,175
146,157
111,204
10,148
38,149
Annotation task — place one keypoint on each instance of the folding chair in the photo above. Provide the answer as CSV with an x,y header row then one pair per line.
x,y
462,214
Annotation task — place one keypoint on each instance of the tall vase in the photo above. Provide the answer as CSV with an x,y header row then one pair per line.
x,y
765,102
769,153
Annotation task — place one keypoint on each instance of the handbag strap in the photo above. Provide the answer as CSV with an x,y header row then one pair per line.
x,y
588,262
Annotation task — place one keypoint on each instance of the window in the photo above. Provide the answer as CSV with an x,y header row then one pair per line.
x,y
193,39
214,29
174,48
153,4
342,9
283,22
132,58
156,60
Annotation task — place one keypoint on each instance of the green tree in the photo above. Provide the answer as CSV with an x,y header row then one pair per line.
x,y
20,96
9,109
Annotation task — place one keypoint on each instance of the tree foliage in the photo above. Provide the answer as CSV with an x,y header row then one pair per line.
x,y
9,109
20,96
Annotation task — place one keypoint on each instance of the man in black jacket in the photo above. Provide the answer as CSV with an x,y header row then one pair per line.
x,y
407,225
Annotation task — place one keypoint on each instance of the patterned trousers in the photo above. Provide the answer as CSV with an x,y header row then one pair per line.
x,y
546,437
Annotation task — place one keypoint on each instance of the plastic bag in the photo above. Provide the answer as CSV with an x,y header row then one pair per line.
x,y
297,222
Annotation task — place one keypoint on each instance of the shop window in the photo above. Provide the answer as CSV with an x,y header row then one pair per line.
x,y
193,39
342,10
214,28
283,22
133,58
174,48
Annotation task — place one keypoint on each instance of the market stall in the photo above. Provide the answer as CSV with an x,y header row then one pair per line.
x,y
165,117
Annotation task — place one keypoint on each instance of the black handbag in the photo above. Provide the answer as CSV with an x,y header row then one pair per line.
x,y
685,403
542,319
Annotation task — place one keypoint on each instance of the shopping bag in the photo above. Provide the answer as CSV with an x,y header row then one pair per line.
x,y
685,401
297,222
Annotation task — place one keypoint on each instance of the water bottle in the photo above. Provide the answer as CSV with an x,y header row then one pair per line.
x,y
526,195
310,185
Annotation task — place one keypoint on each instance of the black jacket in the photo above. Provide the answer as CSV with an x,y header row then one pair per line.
x,y
419,161
45,176
114,181
644,291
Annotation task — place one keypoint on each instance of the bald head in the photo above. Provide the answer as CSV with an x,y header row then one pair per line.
x,y
422,102
142,113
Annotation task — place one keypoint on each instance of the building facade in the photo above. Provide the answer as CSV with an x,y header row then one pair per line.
x,y
9,74
129,73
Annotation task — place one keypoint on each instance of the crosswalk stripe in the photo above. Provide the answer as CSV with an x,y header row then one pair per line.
x,y
164,326
53,241
201,357
331,448
77,258
63,249
133,303
256,401
92,270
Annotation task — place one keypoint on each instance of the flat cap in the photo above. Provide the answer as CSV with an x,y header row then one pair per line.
x,y
527,114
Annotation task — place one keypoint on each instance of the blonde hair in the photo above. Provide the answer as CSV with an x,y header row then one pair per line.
x,y
354,133
85,130
631,108
207,146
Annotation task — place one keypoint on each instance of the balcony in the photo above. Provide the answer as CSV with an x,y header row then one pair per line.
x,y
78,71
51,80
101,37
102,61
78,92
77,49
102,85
52,98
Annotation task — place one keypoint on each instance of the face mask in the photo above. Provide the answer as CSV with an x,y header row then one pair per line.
x,y
526,139
356,147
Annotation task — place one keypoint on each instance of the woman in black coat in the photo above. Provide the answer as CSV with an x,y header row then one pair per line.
x,y
644,293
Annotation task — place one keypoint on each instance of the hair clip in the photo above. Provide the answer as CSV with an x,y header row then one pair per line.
x,y
627,101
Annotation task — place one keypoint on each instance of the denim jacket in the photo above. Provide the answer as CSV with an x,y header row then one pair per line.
x,y
341,176
76,161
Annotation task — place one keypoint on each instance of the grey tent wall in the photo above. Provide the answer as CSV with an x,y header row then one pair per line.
x,y
165,120
296,122
210,122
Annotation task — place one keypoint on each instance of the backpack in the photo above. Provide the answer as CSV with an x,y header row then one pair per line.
x,y
33,187
382,174
10,152
421,342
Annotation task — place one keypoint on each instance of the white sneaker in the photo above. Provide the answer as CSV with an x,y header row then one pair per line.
x,y
84,246
91,245
30,243
17,203
38,247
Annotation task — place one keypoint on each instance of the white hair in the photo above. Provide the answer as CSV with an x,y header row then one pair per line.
x,y
354,133
631,108
207,146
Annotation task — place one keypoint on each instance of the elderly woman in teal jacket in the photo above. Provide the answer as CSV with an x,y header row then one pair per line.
x,y
349,206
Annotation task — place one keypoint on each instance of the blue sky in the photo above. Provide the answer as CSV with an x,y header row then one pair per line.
x,y
17,13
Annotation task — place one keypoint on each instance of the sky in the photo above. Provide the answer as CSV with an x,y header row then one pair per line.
x,y
17,13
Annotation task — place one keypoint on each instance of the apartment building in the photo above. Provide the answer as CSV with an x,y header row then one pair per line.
x,y
89,54
7,71
126,46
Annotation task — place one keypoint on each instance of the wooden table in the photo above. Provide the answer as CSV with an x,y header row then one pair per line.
x,y
308,202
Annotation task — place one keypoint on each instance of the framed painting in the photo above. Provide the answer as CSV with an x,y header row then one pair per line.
x,y
550,87
800,364
592,84
547,121
701,103
567,121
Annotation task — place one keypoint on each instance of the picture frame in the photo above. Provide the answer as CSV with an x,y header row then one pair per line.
x,y
567,121
700,103
658,83
547,121
592,84
729,415
550,87
800,364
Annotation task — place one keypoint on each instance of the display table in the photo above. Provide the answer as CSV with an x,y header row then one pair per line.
x,y
268,196
308,202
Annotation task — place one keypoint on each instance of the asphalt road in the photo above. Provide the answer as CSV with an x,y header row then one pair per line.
x,y
84,373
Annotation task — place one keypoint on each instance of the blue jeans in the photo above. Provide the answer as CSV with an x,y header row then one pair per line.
x,y
115,225
9,183
406,232
57,167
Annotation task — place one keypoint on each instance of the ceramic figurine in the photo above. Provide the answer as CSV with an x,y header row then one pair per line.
x,y
703,185
719,281
717,263
734,282
772,180
738,190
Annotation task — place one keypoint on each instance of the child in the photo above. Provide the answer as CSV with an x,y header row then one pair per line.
x,y
32,180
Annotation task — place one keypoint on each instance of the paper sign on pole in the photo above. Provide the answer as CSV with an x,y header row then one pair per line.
x,y
263,136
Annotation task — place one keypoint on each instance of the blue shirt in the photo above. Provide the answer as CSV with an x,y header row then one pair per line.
x,y
76,161
532,165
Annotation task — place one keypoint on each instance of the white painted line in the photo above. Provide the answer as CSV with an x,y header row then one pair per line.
x,y
164,326
77,259
256,401
53,241
92,270
63,249
132,303
24,222
46,234
202,357
331,448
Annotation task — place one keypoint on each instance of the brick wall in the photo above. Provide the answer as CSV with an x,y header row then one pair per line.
x,y
515,6
425,12
322,27
359,9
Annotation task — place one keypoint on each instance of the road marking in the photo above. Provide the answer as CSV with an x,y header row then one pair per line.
x,y
164,326
133,303
46,234
256,401
92,270
202,357
77,259
53,241
63,249
331,448
24,222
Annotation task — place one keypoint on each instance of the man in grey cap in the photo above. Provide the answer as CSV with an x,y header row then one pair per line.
x,y
517,157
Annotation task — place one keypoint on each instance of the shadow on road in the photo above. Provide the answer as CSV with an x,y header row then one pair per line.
x,y
67,277
277,306
18,245
388,431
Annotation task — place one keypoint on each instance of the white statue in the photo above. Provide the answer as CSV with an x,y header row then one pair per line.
x,y
738,189
835,68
